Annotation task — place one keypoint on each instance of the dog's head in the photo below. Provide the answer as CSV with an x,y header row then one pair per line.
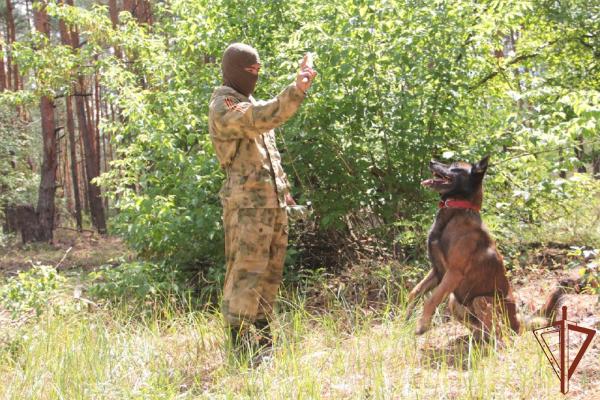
x,y
458,180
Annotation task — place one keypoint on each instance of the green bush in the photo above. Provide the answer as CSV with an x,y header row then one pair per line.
x,y
30,291
399,83
136,283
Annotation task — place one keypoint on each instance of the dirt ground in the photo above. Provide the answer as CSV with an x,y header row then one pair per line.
x,y
69,249
582,309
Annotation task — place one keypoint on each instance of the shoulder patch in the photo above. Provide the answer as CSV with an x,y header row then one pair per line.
x,y
232,105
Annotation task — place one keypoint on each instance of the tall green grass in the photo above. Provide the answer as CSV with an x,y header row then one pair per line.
x,y
345,351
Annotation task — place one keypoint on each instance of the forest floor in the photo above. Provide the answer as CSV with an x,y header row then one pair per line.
x,y
69,250
340,336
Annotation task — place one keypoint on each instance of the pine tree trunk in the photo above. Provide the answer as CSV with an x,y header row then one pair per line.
x,y
66,40
145,12
86,132
96,106
114,18
10,219
66,169
12,38
140,10
47,190
91,163
129,5
2,67
84,180
580,154
7,65
104,114
28,222
73,153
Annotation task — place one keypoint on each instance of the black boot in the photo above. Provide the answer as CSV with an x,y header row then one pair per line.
x,y
239,338
264,331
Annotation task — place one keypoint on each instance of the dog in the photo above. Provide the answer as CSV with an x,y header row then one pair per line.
x,y
465,263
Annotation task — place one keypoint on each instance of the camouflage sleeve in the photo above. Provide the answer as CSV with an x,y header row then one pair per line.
x,y
287,183
243,120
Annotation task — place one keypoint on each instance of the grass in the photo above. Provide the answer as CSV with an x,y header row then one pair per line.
x,y
176,352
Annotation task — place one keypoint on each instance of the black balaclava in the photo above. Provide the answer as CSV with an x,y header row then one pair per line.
x,y
235,58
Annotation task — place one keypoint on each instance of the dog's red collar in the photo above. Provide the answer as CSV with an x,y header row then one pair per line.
x,y
458,204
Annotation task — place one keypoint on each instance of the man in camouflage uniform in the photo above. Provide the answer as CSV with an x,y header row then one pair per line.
x,y
256,191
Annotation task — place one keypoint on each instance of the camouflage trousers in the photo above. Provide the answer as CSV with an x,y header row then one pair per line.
x,y
255,245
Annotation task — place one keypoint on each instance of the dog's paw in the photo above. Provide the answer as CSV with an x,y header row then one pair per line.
x,y
421,328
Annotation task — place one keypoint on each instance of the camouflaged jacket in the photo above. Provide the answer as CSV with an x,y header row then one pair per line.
x,y
241,130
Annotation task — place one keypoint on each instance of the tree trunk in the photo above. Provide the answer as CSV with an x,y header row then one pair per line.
x,y
66,169
561,160
45,205
91,163
12,38
104,114
8,65
145,12
84,180
10,219
580,154
28,13
2,68
66,40
114,18
73,153
140,10
28,222
96,104
86,133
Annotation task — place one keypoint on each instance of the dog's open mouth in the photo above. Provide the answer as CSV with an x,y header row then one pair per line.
x,y
437,180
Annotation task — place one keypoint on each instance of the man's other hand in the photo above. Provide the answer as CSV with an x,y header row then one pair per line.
x,y
289,200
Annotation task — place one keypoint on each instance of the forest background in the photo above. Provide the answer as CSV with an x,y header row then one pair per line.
x,y
103,130
111,111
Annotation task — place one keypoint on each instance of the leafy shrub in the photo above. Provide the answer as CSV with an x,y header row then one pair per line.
x,y
399,83
135,282
30,291
587,262
18,181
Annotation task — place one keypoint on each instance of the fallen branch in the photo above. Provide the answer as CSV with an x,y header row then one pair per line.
x,y
63,258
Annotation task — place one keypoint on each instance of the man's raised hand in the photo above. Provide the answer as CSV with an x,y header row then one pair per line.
x,y
306,74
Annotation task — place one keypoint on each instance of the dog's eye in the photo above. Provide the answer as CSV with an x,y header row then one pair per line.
x,y
459,170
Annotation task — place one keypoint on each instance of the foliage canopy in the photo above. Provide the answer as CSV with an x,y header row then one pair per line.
x,y
399,83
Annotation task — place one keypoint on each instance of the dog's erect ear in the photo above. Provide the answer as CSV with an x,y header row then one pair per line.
x,y
481,166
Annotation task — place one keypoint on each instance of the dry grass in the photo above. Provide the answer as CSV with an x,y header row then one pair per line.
x,y
339,337
345,351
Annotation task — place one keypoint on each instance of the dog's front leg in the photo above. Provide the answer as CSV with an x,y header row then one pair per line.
x,y
428,283
450,282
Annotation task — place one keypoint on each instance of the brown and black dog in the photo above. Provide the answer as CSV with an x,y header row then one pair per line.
x,y
465,263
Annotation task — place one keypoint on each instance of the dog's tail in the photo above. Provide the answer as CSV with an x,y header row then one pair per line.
x,y
553,303
547,314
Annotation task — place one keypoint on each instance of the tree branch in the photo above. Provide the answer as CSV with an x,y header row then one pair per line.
x,y
492,75
515,60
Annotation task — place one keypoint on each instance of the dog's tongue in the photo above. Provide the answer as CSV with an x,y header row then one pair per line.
x,y
433,181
